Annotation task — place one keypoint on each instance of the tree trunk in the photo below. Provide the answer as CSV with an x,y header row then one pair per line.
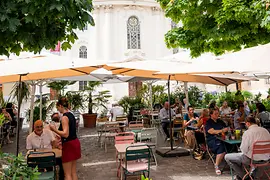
x,y
33,91
90,104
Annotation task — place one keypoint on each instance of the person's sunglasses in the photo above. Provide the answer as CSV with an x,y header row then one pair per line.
x,y
39,126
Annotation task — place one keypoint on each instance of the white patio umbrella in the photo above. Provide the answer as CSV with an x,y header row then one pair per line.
x,y
29,66
43,66
105,77
255,59
149,68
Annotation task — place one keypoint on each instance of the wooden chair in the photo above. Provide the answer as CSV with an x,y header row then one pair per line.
x,y
110,129
178,128
135,125
258,148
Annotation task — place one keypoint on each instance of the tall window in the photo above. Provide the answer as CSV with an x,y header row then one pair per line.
x,y
83,52
174,25
133,33
82,85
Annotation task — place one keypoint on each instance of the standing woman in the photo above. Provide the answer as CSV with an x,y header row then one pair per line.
x,y
71,147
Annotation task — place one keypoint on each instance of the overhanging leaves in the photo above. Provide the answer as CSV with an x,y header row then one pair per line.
x,y
217,26
30,25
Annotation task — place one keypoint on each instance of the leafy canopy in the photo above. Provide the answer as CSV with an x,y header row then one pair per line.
x,y
217,25
31,25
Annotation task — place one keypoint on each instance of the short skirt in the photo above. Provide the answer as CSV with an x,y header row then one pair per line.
x,y
71,150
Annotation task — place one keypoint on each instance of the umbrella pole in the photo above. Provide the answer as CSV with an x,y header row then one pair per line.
x,y
18,115
40,103
170,115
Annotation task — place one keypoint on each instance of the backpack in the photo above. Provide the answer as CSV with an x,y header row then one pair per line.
x,y
198,154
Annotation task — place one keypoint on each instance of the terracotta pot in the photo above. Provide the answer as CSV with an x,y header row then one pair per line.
x,y
89,120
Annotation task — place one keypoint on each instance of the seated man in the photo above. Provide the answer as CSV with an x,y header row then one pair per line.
x,y
116,111
253,134
164,116
239,117
213,127
40,138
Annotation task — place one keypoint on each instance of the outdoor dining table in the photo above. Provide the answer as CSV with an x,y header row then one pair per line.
x,y
234,143
121,150
58,158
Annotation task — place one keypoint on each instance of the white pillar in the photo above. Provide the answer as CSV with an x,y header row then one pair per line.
x,y
108,32
97,47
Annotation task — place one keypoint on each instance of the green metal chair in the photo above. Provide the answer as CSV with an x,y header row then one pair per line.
x,y
45,161
137,160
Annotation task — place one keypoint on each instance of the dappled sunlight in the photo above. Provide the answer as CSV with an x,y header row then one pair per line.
x,y
97,163
89,135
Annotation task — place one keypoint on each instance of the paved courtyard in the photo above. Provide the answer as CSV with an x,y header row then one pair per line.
x,y
95,164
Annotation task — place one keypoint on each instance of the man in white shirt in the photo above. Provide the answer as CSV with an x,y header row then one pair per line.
x,y
116,111
40,138
253,134
164,116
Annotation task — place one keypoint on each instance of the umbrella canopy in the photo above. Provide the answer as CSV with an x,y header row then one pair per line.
x,y
150,68
43,66
247,60
104,76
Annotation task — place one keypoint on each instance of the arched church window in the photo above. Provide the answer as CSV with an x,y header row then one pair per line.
x,y
83,52
133,33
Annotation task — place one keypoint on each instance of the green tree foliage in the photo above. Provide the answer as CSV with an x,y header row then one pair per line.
x,y
31,25
158,94
194,95
217,25
24,92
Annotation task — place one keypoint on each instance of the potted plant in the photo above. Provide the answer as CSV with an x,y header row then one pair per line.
x,y
15,167
94,101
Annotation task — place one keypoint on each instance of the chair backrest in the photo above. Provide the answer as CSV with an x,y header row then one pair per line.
x,y
260,147
124,138
178,121
111,127
121,118
149,134
137,152
135,125
41,159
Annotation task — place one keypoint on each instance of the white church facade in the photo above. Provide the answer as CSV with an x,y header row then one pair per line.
x,y
123,29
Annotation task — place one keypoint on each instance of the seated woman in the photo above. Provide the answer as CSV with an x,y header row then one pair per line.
x,y
6,126
189,123
199,135
213,127
226,113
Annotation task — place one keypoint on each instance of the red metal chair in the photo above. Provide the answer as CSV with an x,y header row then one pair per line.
x,y
258,148
122,138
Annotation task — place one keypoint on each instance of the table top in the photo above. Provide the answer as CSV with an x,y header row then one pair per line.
x,y
121,148
232,142
58,152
